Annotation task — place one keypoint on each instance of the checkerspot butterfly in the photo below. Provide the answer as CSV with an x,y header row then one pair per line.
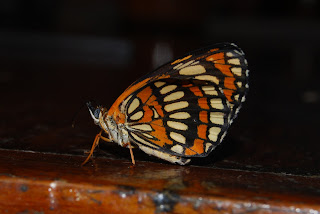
x,y
181,110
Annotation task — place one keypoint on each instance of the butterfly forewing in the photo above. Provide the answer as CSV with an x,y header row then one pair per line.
x,y
222,64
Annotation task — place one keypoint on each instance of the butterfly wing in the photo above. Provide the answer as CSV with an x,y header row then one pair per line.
x,y
224,65
185,107
178,117
221,64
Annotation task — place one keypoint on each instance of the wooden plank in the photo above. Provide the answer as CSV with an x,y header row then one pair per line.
x,y
49,183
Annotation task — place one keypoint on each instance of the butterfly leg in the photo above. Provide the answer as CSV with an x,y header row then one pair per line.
x,y
94,145
131,152
105,139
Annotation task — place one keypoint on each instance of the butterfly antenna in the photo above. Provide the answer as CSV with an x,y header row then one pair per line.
x,y
76,114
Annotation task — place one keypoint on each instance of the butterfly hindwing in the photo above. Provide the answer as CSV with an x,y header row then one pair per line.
x,y
179,117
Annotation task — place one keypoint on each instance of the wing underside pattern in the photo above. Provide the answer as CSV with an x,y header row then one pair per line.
x,y
185,107
179,117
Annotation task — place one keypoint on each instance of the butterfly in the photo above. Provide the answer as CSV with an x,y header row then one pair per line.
x,y
181,110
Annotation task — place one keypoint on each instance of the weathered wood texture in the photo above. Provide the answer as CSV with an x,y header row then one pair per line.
x,y
49,183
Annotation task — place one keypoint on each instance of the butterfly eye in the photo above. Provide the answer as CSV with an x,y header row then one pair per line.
x,y
97,112
94,111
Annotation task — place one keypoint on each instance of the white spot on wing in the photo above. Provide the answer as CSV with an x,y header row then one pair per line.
x,y
230,54
167,89
174,96
213,133
175,106
234,61
180,115
159,84
208,78
178,66
177,125
164,156
238,52
178,137
124,103
236,71
155,113
217,118
142,127
216,103
137,115
210,90
177,148
135,103
192,70
147,135
184,65
208,145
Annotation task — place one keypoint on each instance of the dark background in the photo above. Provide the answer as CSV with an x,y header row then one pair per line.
x,y
54,55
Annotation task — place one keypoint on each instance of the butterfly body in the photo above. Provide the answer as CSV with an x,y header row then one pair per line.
x,y
181,110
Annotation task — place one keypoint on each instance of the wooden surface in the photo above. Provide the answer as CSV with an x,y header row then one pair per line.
x,y
33,182
269,161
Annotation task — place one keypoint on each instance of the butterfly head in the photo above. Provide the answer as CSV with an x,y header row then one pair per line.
x,y
95,112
